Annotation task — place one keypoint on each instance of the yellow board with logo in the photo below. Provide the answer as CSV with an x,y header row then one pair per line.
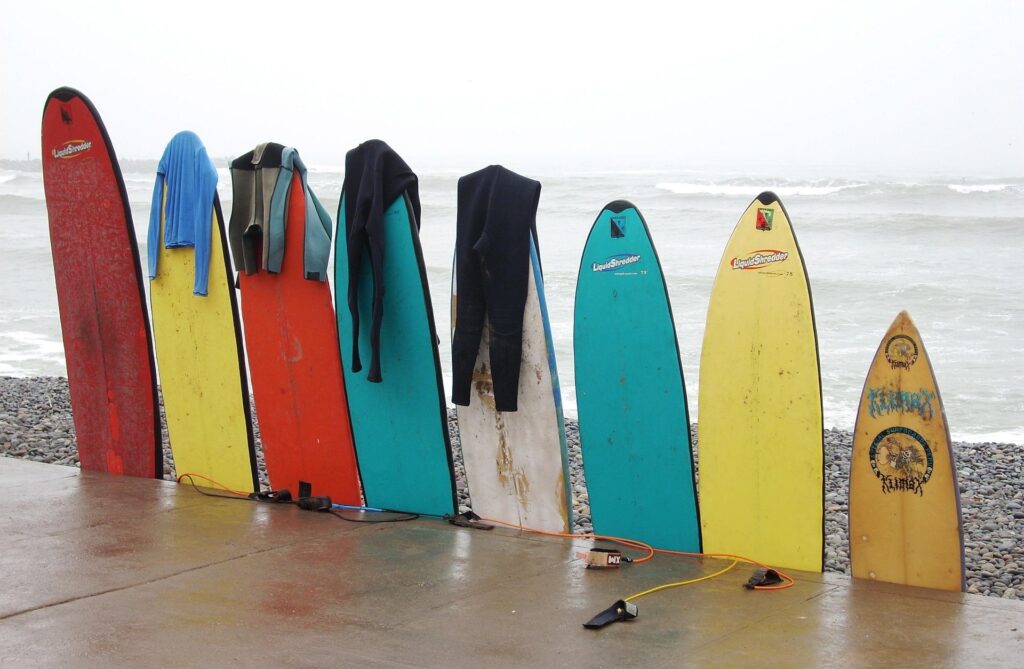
x,y
760,446
202,373
905,524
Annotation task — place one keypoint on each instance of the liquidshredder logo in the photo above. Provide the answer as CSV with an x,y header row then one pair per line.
x,y
758,259
72,148
615,262
764,218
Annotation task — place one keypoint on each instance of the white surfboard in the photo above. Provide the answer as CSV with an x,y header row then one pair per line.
x,y
516,462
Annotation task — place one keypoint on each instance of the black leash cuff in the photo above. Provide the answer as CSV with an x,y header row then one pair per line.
x,y
468,519
763,577
619,611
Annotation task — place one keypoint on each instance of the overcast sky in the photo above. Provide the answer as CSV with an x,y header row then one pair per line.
x,y
883,87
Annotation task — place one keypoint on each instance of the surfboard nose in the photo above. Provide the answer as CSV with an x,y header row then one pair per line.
x,y
619,206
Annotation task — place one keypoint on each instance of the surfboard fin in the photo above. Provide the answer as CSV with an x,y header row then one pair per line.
x,y
763,577
620,610
468,519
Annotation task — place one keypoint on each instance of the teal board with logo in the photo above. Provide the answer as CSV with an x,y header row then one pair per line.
x,y
400,425
633,419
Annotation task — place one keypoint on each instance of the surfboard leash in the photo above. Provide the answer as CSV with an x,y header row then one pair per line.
x,y
306,501
235,494
764,578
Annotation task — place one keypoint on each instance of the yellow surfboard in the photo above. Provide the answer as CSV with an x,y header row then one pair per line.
x,y
761,455
202,373
905,524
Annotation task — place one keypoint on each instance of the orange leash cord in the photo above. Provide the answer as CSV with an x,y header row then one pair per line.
x,y
639,545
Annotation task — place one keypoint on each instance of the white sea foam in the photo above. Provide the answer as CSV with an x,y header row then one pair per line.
x,y
998,437
977,188
22,184
24,353
752,190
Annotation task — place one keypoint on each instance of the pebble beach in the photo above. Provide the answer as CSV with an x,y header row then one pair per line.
x,y
36,424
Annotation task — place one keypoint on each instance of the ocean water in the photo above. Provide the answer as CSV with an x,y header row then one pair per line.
x,y
946,249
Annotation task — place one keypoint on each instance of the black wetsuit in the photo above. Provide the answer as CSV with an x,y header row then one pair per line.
x,y
375,176
496,220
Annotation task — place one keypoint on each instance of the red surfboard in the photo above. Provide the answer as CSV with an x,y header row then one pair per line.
x,y
103,316
295,368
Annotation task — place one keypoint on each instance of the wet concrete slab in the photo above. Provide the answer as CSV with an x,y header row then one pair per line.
x,y
104,571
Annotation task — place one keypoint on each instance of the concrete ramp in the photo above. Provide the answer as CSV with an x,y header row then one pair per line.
x,y
104,571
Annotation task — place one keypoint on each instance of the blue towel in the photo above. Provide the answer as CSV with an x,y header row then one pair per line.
x,y
191,181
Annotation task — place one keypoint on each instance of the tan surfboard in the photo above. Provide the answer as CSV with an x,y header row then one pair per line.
x,y
905,524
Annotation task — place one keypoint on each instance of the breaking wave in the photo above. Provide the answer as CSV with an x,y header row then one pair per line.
x,y
751,189
978,188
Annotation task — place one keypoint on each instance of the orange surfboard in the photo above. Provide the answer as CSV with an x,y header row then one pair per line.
x,y
905,523
295,367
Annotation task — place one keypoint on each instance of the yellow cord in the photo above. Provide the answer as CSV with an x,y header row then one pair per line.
x,y
679,583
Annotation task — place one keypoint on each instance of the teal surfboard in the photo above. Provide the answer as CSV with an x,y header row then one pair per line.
x,y
400,425
633,421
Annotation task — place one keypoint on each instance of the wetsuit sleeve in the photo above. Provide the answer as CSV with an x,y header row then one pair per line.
x,y
317,241
355,260
375,239
241,196
469,306
276,219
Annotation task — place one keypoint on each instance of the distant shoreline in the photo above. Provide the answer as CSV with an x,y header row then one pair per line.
x,y
36,424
